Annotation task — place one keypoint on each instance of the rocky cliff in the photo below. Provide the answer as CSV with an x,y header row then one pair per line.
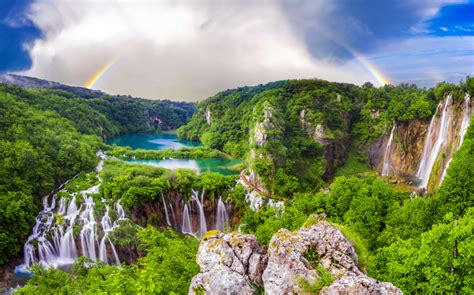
x,y
294,263
420,151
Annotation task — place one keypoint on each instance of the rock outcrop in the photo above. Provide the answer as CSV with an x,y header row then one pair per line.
x,y
334,149
233,263
229,263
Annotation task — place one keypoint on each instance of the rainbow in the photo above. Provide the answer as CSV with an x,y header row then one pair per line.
x,y
361,58
371,68
99,74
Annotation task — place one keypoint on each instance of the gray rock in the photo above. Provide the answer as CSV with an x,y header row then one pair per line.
x,y
352,283
228,264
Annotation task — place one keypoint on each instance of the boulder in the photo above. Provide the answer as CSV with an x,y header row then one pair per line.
x,y
229,264
234,263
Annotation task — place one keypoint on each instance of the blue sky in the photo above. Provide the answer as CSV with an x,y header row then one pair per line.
x,y
191,49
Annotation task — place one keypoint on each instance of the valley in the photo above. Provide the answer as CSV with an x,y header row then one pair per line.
x,y
116,194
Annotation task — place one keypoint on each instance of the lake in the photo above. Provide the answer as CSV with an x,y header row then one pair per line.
x,y
219,165
161,141
156,141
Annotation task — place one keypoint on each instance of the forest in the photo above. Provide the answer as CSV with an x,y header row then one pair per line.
x,y
281,130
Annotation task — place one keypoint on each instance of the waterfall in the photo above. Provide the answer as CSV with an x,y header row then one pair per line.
x,y
53,242
202,215
222,217
386,157
466,119
431,151
186,227
166,210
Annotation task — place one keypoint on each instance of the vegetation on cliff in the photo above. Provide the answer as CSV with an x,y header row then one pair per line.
x,y
283,130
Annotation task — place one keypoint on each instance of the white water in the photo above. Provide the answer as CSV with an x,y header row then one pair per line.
x,y
188,224
222,217
431,151
466,119
53,243
256,201
166,211
202,215
386,157
186,227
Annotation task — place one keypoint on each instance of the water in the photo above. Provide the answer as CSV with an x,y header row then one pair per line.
x,y
157,141
219,165
222,217
386,157
432,150
466,119
53,242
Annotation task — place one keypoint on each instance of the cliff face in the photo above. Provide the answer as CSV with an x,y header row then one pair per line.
x,y
420,151
169,211
334,148
235,263
405,151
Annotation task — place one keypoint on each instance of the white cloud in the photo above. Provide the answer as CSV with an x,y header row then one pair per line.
x,y
427,60
174,49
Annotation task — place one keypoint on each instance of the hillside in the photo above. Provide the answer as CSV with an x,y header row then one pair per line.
x,y
328,198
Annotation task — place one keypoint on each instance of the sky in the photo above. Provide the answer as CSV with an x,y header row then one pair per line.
x,y
192,49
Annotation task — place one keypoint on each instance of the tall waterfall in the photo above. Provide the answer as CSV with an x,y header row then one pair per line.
x,y
386,157
466,119
53,241
432,150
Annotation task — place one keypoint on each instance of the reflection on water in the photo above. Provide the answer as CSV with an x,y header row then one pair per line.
x,y
223,166
158,141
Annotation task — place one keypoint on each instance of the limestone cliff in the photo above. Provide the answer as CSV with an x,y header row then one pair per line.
x,y
421,150
235,263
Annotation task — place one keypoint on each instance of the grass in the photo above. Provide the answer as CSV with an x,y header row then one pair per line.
x,y
358,244
325,277
353,167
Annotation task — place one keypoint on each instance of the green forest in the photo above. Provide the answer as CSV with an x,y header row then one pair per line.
x,y
303,139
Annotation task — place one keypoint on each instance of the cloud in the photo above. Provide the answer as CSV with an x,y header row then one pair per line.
x,y
192,49
331,27
174,49
427,60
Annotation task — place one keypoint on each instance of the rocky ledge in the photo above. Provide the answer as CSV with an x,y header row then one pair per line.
x,y
295,263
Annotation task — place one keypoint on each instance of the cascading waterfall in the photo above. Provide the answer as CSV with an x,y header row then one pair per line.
x,y
386,157
432,150
53,243
166,211
186,227
193,219
466,119
222,217
202,215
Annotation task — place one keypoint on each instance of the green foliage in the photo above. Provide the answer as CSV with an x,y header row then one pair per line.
x,y
17,215
357,242
136,184
181,153
353,167
440,261
325,277
167,268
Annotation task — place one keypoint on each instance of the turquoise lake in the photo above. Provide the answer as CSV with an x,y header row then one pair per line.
x,y
156,141
163,141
